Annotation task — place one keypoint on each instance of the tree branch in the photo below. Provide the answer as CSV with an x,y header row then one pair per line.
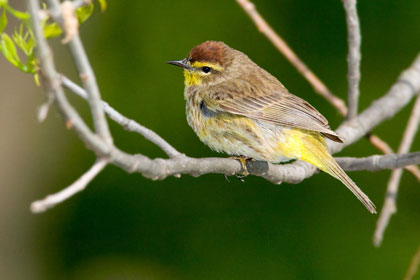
x,y
378,162
386,149
390,205
86,74
372,163
78,186
354,56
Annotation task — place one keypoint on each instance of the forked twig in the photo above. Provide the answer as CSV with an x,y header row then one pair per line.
x,y
86,74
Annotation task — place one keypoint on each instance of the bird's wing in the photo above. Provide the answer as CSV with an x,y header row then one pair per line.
x,y
281,108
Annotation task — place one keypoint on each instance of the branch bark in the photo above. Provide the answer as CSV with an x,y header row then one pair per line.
x,y
354,56
378,162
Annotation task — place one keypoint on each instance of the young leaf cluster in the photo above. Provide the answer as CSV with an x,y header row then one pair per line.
x,y
18,47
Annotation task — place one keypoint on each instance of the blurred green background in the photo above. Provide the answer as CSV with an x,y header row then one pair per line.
x,y
127,227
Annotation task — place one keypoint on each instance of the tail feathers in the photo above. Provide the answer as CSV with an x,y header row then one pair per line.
x,y
317,154
336,171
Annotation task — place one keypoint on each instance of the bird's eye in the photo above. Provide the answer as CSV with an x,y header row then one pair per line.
x,y
206,69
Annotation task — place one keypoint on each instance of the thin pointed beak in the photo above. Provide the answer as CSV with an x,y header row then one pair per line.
x,y
181,63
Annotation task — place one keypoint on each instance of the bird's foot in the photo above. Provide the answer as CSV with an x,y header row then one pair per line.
x,y
244,170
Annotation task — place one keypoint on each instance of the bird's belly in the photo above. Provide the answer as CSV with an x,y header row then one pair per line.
x,y
240,136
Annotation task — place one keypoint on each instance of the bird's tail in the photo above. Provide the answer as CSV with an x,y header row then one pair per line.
x,y
317,154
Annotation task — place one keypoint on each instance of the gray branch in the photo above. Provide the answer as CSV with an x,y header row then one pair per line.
x,y
371,163
379,162
354,56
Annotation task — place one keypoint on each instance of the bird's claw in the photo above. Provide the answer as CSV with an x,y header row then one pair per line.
x,y
244,169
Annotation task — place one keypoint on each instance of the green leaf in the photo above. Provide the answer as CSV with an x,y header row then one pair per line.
x,y
52,30
102,4
31,63
84,12
7,47
16,13
20,41
3,3
3,21
30,44
24,41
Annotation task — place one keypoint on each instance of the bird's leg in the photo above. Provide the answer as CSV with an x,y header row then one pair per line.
x,y
245,172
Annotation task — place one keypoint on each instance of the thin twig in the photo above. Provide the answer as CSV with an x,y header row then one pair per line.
x,y
78,186
87,76
380,144
44,109
415,170
354,56
414,265
389,207
290,55
128,124
313,80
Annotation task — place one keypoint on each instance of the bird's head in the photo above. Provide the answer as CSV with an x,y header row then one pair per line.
x,y
207,63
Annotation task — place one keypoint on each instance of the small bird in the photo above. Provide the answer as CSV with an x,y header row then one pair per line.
x,y
236,107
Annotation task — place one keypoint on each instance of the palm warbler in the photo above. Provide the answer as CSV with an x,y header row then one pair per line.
x,y
236,107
